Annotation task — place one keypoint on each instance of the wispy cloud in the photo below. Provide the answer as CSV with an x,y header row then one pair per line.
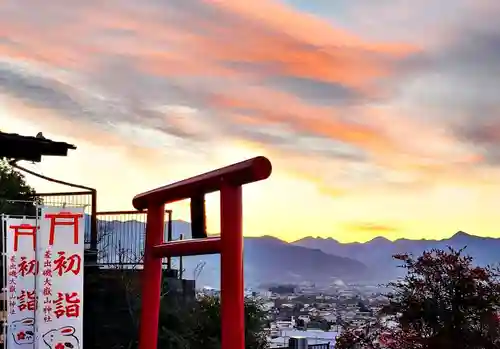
x,y
246,69
372,227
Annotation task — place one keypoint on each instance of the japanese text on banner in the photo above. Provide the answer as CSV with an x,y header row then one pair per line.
x,y
22,268
60,283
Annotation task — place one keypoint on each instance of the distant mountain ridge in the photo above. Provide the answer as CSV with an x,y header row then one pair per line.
x,y
266,259
378,251
459,233
312,259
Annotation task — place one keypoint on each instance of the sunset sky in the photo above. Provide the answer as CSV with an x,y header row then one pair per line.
x,y
381,117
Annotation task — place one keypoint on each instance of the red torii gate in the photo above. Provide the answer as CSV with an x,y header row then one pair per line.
x,y
228,180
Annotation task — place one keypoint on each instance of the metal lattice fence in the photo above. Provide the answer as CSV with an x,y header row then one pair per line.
x,y
121,237
117,236
87,199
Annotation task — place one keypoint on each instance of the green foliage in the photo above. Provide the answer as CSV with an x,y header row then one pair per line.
x,y
185,324
16,196
198,324
443,302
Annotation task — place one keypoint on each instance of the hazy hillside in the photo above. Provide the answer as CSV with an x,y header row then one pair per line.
x,y
377,252
266,259
271,259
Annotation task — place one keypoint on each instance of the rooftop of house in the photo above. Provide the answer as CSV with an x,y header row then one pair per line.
x,y
17,147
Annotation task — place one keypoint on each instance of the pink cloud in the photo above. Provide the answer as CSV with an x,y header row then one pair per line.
x,y
220,54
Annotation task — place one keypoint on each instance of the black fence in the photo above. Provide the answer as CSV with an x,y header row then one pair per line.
x,y
85,199
121,236
117,236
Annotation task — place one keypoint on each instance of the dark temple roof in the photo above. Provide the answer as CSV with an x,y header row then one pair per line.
x,y
17,147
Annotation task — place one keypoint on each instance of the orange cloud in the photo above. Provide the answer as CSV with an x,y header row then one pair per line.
x,y
309,48
278,41
220,54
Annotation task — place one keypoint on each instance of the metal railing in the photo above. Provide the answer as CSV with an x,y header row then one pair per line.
x,y
87,199
117,236
121,237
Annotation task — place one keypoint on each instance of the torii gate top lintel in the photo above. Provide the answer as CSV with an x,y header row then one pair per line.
x,y
241,173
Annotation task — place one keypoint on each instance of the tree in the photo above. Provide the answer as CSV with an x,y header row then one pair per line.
x,y
443,302
206,321
185,324
16,196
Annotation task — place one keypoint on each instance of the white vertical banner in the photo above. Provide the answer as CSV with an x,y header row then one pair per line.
x,y
21,268
60,246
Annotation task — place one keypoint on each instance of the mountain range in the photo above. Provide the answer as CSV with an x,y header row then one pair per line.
x,y
266,259
316,260
377,253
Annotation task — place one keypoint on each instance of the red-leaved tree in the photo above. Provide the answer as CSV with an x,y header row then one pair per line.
x,y
445,301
